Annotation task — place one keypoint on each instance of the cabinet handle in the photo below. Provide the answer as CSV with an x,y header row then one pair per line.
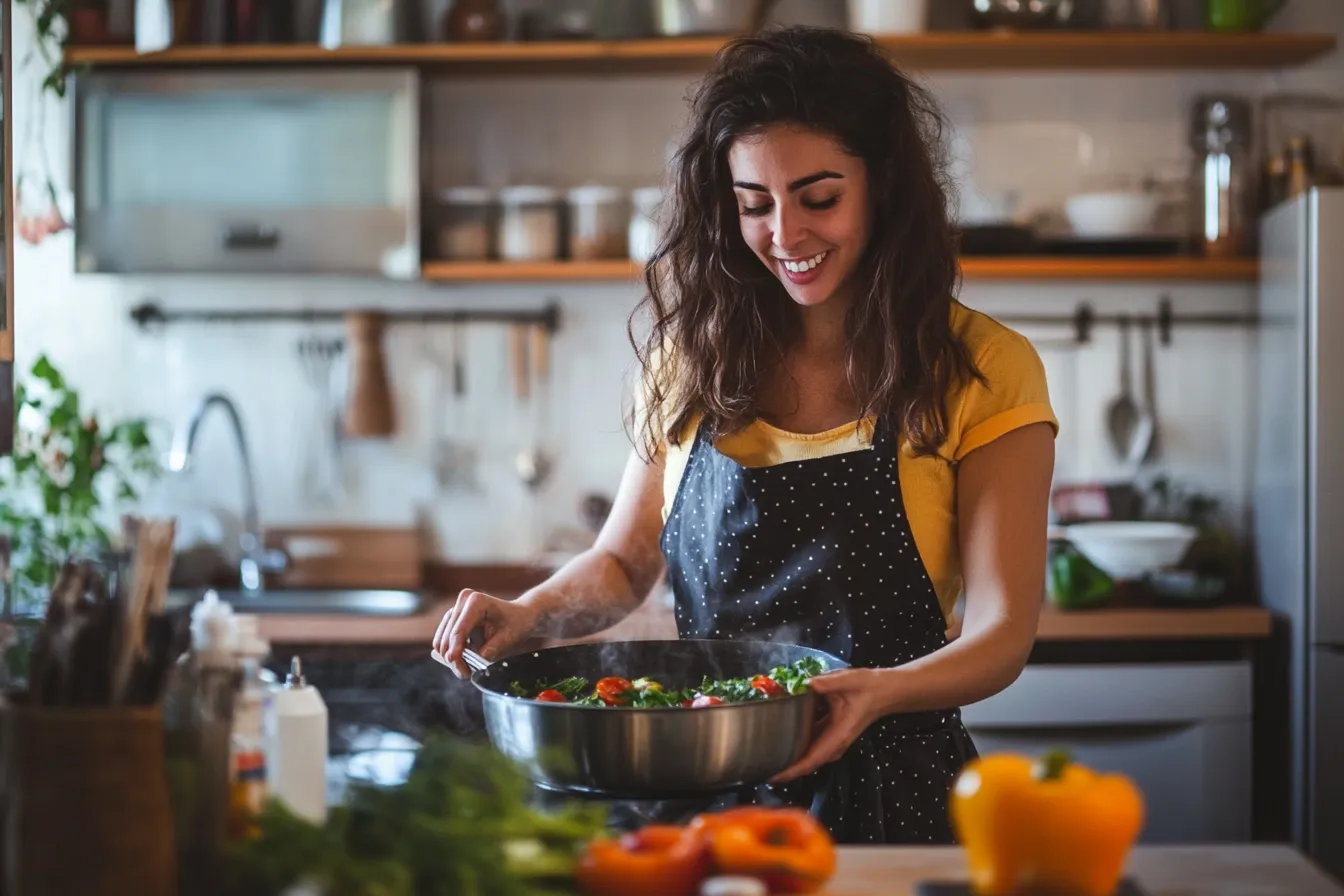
x,y
251,236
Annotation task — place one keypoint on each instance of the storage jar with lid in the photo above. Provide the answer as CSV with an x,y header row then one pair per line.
x,y
597,223
1222,180
529,223
643,230
465,224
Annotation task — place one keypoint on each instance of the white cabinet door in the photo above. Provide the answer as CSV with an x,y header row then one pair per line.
x,y
1182,732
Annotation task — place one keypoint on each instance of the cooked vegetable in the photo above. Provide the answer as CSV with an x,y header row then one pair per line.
x,y
551,695
1052,824
658,860
646,693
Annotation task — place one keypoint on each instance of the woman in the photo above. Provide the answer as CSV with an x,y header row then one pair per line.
x,y
833,451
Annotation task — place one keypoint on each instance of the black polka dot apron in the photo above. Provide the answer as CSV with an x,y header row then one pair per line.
x,y
820,553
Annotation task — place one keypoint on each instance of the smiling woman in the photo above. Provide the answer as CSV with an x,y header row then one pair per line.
x,y
831,450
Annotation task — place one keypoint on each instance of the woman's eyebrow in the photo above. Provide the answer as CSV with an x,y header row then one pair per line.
x,y
796,185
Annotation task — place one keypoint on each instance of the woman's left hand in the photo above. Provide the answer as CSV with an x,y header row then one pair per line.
x,y
855,698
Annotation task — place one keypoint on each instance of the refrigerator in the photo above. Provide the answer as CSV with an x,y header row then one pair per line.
x,y
1298,500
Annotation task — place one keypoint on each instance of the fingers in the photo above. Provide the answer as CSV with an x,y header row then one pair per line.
x,y
457,627
828,746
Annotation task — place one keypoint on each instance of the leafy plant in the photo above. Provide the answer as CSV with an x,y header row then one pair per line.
x,y
460,825
51,26
56,489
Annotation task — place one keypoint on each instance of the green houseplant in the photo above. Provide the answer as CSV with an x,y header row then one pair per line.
x,y
60,490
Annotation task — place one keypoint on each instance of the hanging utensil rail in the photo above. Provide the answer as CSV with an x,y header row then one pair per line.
x,y
148,314
1084,320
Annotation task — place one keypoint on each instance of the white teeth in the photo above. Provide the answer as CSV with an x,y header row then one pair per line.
x,y
798,267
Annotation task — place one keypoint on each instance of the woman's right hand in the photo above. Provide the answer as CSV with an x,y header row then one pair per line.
x,y
497,625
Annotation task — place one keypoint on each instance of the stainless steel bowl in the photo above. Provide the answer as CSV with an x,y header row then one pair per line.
x,y
649,753
1020,13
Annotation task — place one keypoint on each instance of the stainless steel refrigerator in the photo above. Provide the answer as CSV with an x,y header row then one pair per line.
x,y
1298,492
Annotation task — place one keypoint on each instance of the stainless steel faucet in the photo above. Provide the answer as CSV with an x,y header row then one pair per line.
x,y
255,559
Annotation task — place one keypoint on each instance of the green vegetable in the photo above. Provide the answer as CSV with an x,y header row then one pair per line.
x,y
793,678
1075,583
459,826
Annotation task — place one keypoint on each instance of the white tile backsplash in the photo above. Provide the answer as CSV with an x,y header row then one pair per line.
x,y
1025,130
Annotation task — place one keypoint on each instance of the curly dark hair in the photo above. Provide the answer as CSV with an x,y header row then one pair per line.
x,y
720,318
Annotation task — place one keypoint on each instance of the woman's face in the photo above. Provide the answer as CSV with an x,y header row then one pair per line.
x,y
803,206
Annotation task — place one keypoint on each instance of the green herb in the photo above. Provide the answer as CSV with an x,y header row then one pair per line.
x,y
459,826
571,688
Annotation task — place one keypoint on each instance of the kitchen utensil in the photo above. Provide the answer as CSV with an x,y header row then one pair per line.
x,y
888,16
1020,14
649,753
321,479
452,451
1150,390
677,18
1129,551
1128,424
1112,214
368,407
534,464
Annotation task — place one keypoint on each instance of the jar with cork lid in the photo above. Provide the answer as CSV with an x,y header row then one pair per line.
x,y
529,223
465,223
598,223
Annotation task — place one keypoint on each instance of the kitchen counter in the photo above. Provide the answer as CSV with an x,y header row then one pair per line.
x,y
1214,870
653,620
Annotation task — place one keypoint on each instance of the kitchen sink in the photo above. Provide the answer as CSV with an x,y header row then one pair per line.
x,y
342,602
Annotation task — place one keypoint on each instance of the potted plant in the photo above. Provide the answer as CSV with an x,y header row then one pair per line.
x,y
59,493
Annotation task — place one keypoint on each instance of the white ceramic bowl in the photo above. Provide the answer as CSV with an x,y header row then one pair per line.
x,y
1129,551
1109,215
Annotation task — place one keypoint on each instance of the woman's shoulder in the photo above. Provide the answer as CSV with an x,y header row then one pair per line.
x,y
982,334
1011,390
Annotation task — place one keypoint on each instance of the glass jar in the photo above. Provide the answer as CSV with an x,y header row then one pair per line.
x,y
643,229
597,223
529,223
465,224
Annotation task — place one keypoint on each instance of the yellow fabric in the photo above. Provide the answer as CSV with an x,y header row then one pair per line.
x,y
1014,395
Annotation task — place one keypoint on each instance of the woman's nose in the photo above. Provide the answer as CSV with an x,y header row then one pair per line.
x,y
789,229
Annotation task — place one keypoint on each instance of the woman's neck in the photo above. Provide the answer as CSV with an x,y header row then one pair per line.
x,y
823,330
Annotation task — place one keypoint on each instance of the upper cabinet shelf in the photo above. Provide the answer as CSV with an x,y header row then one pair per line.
x,y
965,51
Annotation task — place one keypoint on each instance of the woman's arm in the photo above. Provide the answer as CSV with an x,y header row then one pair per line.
x,y
1003,496
604,584
592,592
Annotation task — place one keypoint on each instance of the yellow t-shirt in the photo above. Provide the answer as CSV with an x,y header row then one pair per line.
x,y
1014,395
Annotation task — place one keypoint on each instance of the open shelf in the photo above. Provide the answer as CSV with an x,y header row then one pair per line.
x,y
952,50
974,268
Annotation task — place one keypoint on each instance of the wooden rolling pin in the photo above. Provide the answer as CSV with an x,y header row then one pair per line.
x,y
368,404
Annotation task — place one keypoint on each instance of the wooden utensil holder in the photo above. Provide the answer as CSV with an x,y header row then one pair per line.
x,y
368,406
84,796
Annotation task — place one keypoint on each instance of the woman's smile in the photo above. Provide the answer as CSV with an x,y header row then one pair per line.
x,y
802,270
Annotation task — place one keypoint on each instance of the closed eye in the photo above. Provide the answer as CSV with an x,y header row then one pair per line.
x,y
756,211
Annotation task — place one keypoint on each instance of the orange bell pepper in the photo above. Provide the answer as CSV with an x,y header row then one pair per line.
x,y
658,860
1050,825
787,849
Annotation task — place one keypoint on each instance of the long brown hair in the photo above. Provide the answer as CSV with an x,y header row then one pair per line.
x,y
719,318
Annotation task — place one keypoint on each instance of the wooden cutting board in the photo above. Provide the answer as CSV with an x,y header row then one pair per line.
x,y
347,557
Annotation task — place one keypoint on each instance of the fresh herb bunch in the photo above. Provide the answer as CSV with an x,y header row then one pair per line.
x,y
793,678
459,826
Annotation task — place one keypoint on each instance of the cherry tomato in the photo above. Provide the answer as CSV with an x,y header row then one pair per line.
x,y
611,691
703,701
767,686
551,696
